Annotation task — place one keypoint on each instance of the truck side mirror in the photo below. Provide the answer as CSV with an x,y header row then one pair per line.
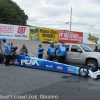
x,y
79,50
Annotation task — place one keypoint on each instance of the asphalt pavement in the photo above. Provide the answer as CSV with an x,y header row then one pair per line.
x,y
20,83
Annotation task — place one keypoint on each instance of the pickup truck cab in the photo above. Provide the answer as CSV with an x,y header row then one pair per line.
x,y
82,55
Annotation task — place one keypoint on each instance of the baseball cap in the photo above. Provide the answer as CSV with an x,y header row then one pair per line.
x,y
23,44
63,43
40,45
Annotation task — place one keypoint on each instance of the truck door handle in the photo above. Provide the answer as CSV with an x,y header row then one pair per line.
x,y
71,53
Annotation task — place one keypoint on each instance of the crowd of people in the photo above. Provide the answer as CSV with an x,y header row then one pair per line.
x,y
10,53
52,52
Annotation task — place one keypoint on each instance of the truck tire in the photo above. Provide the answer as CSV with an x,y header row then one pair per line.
x,y
1,58
83,72
92,64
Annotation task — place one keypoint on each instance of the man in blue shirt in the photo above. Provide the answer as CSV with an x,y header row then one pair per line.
x,y
51,52
62,51
40,51
7,54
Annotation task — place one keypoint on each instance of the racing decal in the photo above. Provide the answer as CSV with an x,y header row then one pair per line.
x,y
70,69
29,62
60,67
49,66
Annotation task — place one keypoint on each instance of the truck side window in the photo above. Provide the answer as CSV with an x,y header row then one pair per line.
x,y
74,48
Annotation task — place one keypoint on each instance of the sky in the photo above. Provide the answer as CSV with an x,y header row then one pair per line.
x,y
57,14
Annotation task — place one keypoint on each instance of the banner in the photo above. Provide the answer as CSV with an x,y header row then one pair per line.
x,y
91,38
33,33
70,36
14,32
47,34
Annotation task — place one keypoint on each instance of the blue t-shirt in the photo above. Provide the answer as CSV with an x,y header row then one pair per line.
x,y
40,50
62,51
7,50
51,51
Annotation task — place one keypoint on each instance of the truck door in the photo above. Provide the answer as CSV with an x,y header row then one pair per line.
x,y
76,55
67,57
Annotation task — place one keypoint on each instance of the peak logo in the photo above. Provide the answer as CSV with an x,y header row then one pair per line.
x,y
21,29
29,62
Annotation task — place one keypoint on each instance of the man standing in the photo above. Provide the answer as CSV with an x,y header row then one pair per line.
x,y
62,51
7,54
40,51
96,49
51,52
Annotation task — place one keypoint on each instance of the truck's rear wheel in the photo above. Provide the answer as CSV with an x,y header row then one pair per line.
x,y
1,57
92,64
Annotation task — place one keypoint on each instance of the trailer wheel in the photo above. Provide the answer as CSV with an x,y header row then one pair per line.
x,y
1,58
83,71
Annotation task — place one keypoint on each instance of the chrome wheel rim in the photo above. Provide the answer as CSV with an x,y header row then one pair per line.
x,y
83,71
91,65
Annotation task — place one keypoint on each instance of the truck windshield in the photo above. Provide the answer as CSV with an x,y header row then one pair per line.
x,y
86,48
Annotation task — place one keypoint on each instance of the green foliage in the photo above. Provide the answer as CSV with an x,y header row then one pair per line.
x,y
11,13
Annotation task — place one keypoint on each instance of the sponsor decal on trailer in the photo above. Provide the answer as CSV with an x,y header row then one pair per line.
x,y
70,69
49,66
60,67
29,62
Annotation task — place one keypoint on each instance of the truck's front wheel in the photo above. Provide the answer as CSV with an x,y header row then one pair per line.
x,y
92,64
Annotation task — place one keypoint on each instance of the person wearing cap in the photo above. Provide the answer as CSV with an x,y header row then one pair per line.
x,y
40,51
62,51
51,52
24,50
7,54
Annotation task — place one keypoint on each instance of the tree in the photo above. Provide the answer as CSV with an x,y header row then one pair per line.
x,y
11,13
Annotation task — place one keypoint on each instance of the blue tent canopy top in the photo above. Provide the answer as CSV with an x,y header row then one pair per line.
x,y
3,39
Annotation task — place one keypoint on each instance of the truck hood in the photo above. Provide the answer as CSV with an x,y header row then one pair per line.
x,y
93,53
